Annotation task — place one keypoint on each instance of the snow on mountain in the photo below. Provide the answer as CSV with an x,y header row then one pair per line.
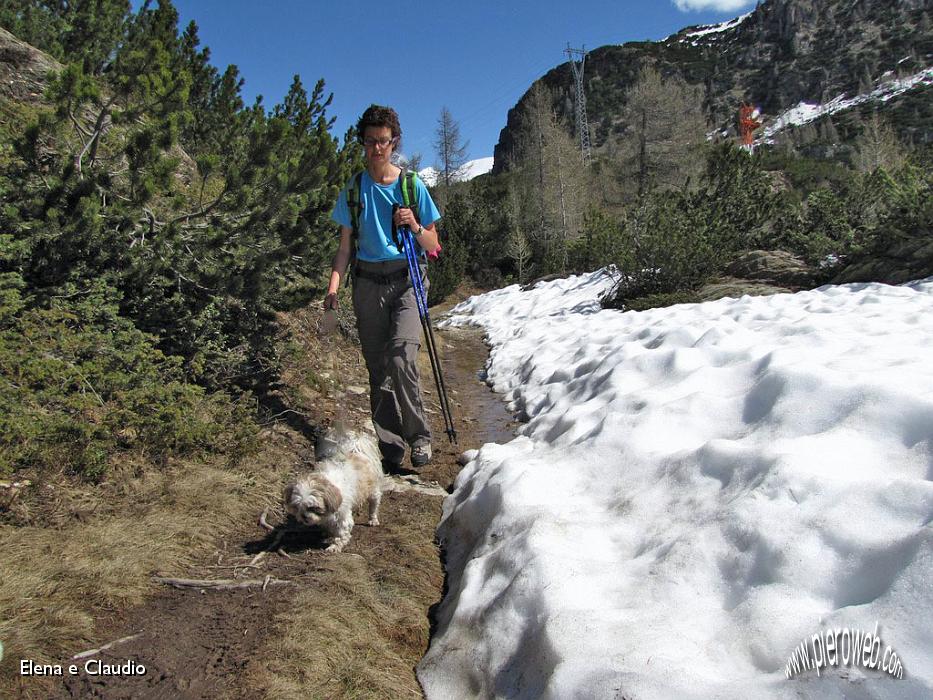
x,y
705,30
696,490
473,168
804,112
708,29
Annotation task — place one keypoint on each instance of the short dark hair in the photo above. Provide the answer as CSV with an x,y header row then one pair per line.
x,y
377,115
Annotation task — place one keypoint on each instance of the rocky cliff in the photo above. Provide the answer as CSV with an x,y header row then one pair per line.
x,y
23,69
782,53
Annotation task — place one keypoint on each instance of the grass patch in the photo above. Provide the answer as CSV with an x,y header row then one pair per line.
x,y
359,630
98,546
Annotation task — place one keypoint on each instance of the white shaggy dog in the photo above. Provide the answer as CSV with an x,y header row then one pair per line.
x,y
348,473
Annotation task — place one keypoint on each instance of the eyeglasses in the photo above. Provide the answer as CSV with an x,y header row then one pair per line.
x,y
382,143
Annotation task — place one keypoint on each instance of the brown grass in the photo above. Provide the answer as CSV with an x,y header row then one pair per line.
x,y
55,580
335,642
360,628
358,622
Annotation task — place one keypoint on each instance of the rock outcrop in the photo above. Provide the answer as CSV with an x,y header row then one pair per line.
x,y
776,267
783,53
759,272
23,69
902,262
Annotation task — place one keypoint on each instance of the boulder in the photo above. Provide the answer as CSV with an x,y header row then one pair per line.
x,y
24,69
904,261
773,267
736,288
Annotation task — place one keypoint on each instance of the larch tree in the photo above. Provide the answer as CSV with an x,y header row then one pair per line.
x,y
451,152
878,147
552,182
665,128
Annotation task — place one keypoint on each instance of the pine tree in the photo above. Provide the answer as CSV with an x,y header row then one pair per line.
x,y
455,229
201,252
828,132
82,31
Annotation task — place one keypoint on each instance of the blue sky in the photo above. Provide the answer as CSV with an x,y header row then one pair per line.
x,y
477,58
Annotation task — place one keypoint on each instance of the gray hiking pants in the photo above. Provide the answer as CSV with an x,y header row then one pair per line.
x,y
390,335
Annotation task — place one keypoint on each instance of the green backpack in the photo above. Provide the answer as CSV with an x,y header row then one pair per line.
x,y
408,179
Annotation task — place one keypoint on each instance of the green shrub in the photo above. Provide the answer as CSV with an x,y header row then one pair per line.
x,y
654,301
668,248
908,210
447,271
602,243
81,385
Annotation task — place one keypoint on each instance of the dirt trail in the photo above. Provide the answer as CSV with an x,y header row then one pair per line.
x,y
197,643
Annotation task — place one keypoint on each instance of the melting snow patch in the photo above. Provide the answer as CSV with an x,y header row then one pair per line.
x,y
697,489
804,112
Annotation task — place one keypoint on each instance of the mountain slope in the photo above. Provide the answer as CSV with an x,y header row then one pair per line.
x,y
783,53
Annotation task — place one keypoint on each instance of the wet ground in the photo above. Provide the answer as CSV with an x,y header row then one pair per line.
x,y
205,643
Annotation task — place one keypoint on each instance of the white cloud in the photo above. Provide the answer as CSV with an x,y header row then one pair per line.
x,y
717,5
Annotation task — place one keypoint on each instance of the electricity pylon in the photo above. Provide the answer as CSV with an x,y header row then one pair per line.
x,y
582,126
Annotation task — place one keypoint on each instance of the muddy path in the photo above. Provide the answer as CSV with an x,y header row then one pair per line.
x,y
314,624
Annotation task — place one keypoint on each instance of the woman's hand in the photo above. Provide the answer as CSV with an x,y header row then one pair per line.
x,y
330,301
406,217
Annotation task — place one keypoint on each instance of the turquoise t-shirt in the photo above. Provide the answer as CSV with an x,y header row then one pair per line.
x,y
376,243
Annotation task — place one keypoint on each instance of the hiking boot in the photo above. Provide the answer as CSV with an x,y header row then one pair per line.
x,y
421,455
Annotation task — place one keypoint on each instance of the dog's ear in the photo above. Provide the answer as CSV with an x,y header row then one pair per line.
x,y
288,493
332,497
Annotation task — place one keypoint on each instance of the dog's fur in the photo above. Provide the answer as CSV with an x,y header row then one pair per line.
x,y
348,473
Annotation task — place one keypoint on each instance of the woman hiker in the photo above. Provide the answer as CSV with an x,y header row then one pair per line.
x,y
383,297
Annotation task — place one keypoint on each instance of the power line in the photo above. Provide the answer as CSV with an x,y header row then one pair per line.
x,y
485,112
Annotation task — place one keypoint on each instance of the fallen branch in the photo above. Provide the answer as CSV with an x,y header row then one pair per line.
x,y
92,652
254,562
271,548
220,584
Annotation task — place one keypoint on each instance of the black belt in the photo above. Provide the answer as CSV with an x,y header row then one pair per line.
x,y
380,278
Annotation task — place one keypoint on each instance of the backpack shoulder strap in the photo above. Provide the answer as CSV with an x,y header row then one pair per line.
x,y
408,180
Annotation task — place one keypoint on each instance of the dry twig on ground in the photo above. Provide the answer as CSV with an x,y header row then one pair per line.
x,y
109,645
220,584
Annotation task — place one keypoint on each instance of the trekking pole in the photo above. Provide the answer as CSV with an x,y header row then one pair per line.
x,y
420,296
421,299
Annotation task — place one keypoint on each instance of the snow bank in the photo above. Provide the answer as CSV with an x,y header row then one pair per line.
x,y
697,489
